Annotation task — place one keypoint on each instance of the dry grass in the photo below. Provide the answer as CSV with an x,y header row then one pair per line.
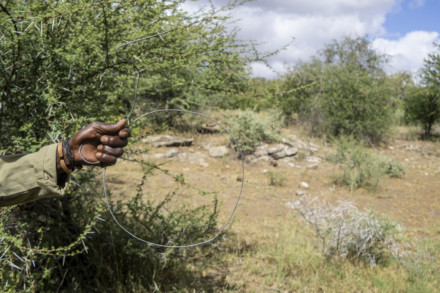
x,y
270,249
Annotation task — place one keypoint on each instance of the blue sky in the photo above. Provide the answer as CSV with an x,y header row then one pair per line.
x,y
403,29
413,16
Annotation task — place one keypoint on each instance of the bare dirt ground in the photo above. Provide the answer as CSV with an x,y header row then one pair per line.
x,y
413,200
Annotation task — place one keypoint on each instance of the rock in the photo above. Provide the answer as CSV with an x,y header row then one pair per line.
x,y
313,167
190,157
260,153
292,165
304,185
301,145
210,128
268,159
239,178
218,152
276,149
290,152
314,160
171,153
300,192
168,141
287,152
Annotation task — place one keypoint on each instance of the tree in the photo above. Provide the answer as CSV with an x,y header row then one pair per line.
x,y
59,68
301,92
349,92
422,107
422,104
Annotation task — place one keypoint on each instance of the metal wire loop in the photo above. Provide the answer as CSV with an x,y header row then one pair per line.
x,y
233,211
82,158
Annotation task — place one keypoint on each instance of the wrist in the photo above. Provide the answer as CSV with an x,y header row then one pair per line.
x,y
63,161
68,151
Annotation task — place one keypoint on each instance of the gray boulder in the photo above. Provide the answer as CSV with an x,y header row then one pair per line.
x,y
286,152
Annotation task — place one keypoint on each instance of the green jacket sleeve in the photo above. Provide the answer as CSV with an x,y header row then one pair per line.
x,y
29,177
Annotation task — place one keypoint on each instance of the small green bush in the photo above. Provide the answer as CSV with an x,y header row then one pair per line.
x,y
361,167
250,131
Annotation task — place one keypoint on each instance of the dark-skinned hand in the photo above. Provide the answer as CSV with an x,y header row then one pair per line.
x,y
102,142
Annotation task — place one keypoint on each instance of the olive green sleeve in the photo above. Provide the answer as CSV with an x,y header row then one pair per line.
x,y
29,177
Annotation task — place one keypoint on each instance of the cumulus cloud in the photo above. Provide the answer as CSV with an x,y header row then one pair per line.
x,y
408,52
313,23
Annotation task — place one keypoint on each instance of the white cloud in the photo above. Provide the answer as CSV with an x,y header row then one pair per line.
x,y
408,52
313,23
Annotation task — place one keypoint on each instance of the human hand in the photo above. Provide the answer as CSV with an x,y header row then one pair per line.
x,y
101,143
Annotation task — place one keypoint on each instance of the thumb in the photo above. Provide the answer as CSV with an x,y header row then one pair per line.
x,y
110,128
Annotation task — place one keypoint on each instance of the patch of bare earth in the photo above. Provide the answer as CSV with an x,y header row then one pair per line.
x,y
413,200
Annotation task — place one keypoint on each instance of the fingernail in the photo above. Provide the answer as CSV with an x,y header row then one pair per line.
x,y
105,139
98,154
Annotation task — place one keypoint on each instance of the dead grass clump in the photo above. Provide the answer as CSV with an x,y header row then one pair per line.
x,y
346,232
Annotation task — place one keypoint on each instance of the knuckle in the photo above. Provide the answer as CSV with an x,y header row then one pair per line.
x,y
94,124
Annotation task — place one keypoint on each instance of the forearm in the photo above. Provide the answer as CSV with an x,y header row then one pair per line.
x,y
31,177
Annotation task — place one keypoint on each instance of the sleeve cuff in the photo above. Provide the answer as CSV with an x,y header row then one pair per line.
x,y
47,173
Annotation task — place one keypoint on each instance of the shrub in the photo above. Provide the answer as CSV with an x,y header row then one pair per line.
x,y
361,167
73,245
346,232
250,131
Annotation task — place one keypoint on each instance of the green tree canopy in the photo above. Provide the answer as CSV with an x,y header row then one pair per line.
x,y
59,69
343,91
422,105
